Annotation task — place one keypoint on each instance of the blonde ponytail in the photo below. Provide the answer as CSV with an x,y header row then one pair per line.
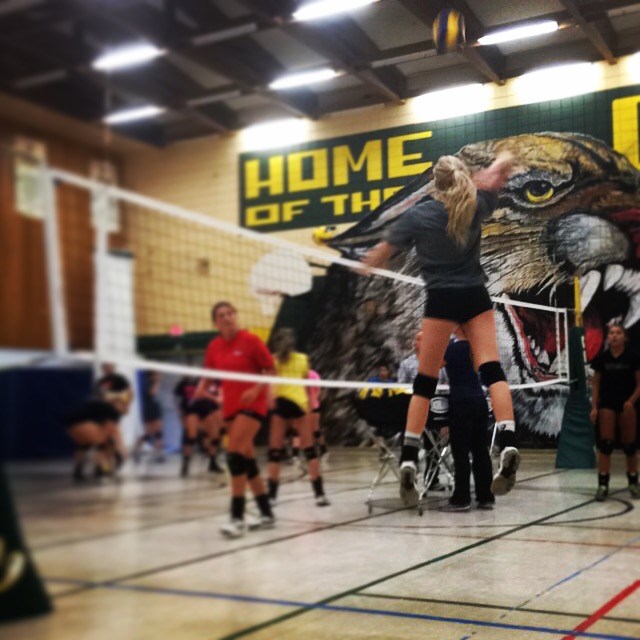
x,y
456,190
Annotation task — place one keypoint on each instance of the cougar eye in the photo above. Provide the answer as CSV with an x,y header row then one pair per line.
x,y
538,191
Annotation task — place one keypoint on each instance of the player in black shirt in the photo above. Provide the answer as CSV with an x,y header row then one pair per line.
x,y
115,389
615,390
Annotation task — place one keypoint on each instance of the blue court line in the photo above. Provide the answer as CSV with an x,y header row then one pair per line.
x,y
342,609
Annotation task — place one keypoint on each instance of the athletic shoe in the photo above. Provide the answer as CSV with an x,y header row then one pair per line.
x,y
504,480
408,486
234,529
263,522
602,492
322,501
453,507
634,490
485,505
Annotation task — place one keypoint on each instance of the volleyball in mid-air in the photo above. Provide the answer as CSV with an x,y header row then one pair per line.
x,y
448,31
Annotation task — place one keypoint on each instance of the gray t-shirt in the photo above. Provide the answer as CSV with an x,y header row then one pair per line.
x,y
444,264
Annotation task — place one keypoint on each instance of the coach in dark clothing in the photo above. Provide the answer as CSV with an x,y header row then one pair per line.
x,y
468,421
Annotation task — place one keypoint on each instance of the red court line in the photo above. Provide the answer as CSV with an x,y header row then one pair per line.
x,y
605,608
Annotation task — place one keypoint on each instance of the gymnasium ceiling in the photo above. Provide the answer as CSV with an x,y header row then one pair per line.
x,y
222,55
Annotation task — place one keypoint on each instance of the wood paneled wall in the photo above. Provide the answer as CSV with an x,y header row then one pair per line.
x,y
24,303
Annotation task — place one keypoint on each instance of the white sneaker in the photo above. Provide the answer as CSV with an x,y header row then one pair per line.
x,y
322,501
505,479
263,522
234,529
408,487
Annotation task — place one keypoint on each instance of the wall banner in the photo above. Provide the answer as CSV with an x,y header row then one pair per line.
x,y
341,180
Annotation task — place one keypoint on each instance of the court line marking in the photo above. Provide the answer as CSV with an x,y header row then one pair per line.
x,y
497,607
325,606
288,616
604,609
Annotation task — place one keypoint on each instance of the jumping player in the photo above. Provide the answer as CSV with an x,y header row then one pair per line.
x,y
615,389
445,230
244,408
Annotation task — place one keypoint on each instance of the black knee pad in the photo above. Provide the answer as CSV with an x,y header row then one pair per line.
x,y
629,448
188,442
317,434
237,464
310,453
215,442
251,468
102,447
606,447
425,386
491,372
274,455
83,447
157,436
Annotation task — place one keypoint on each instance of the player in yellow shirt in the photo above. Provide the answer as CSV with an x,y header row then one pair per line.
x,y
292,411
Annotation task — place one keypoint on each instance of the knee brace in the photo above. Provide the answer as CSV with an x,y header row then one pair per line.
x,y
606,447
317,434
252,468
424,386
629,448
157,436
237,464
187,441
102,447
215,442
310,453
274,455
491,372
83,447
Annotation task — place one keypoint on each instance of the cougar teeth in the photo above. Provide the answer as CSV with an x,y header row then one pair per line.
x,y
589,285
612,275
633,314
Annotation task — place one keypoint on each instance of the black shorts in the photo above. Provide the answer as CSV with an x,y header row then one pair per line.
x,y
244,412
96,411
151,411
202,407
458,304
316,410
288,410
613,404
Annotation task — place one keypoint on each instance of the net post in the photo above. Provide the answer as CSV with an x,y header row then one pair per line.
x,y
100,223
55,281
566,344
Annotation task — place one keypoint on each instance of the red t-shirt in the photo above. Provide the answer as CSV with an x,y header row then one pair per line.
x,y
245,353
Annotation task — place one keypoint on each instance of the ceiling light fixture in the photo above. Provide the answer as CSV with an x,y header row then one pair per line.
x,y
519,33
124,57
135,113
302,79
324,8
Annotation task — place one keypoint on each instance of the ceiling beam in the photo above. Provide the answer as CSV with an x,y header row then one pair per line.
x,y
599,34
327,42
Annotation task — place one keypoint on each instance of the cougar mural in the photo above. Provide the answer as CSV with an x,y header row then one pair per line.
x,y
570,208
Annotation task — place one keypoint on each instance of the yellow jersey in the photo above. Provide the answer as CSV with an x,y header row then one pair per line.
x,y
297,366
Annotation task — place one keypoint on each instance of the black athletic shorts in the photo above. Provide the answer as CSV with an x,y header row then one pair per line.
x,y
613,404
201,407
244,412
151,411
97,411
288,410
458,304
316,410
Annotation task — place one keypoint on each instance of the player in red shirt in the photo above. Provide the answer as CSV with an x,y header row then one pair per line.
x,y
244,407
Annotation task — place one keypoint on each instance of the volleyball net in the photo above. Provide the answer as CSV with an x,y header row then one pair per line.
x,y
133,282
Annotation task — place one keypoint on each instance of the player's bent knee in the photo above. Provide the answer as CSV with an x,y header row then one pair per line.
x,y
310,453
606,447
630,449
425,386
252,468
237,464
491,373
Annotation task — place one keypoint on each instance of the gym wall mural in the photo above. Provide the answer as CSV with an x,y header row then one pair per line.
x,y
572,208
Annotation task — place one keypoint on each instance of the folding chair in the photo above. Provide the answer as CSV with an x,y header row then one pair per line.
x,y
385,411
